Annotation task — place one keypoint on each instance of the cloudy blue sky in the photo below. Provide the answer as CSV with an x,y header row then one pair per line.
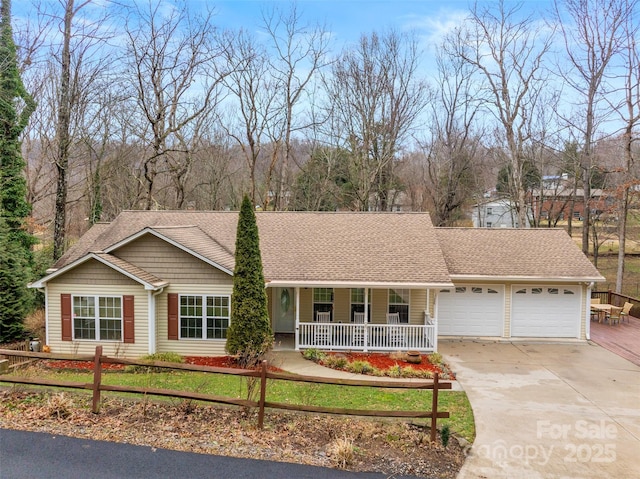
x,y
346,19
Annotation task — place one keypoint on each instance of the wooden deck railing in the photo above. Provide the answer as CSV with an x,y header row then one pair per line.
x,y
263,374
617,299
367,337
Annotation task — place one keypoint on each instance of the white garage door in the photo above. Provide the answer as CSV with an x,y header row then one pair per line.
x,y
473,310
545,311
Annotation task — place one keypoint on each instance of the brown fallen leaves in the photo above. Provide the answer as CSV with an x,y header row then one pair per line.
x,y
356,444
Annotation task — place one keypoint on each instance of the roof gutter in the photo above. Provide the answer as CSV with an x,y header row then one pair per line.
x,y
546,279
355,284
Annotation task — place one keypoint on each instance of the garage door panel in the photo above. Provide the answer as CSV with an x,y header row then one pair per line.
x,y
545,311
471,310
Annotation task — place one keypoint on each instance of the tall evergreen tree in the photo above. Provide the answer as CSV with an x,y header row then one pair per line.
x,y
15,297
249,334
16,105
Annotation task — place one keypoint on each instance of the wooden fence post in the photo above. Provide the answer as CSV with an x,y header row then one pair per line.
x,y
263,393
97,377
434,408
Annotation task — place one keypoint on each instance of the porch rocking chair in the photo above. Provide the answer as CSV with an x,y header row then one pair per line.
x,y
396,332
358,329
322,332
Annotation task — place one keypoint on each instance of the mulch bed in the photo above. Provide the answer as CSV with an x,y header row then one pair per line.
x,y
385,361
217,361
380,361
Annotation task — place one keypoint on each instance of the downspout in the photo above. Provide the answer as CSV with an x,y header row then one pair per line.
x,y
152,320
587,308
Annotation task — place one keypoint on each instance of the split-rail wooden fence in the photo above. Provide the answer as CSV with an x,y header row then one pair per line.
x,y
98,359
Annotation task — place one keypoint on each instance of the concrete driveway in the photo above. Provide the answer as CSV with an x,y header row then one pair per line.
x,y
549,410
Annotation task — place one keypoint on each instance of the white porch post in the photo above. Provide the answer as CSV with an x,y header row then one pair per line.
x,y
297,328
366,318
435,324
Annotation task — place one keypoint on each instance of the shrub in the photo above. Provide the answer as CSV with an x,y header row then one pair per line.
x,y
58,406
167,357
435,358
361,367
343,451
314,355
445,434
395,371
34,324
335,362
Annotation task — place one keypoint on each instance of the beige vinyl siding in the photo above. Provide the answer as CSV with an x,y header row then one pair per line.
x,y
57,287
341,305
417,306
379,305
188,347
93,272
306,305
169,262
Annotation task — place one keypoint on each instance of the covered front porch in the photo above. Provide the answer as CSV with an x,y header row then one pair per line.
x,y
358,318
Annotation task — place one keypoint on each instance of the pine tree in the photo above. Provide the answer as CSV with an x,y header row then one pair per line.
x,y
15,297
16,105
249,334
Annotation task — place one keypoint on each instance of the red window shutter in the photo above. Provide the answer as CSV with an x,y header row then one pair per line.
x,y
127,316
65,312
173,316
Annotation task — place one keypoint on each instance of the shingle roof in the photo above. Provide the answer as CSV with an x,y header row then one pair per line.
x,y
514,253
398,248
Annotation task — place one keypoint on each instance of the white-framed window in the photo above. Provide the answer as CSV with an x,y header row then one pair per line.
x,y
322,301
97,318
399,303
204,316
357,303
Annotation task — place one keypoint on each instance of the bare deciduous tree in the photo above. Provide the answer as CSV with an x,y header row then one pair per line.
x,y
299,54
452,159
254,92
593,32
630,114
508,54
375,97
78,74
170,58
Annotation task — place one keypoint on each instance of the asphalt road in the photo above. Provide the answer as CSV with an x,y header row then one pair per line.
x,y
26,455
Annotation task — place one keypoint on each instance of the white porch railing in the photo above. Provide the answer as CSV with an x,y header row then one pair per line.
x,y
367,337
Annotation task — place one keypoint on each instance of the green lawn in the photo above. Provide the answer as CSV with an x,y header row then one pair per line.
x,y
461,420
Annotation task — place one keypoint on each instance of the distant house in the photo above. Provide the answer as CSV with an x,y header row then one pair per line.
x,y
158,281
497,213
557,204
